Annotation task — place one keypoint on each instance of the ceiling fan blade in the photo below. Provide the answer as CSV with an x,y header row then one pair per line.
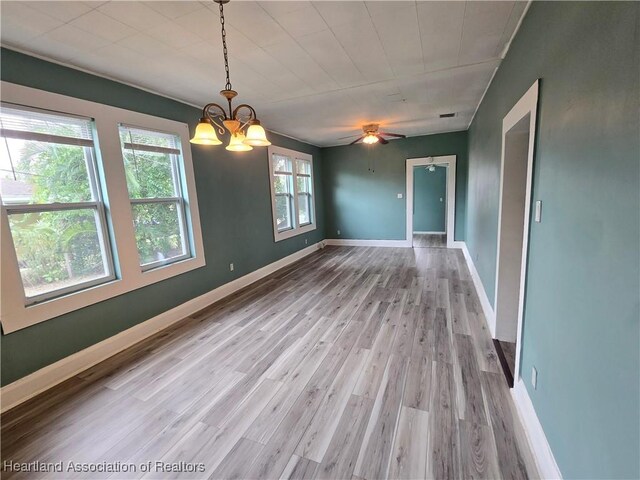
x,y
357,139
393,135
349,136
383,141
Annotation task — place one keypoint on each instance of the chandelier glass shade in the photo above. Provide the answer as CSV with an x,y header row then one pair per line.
x,y
242,122
205,134
237,143
256,136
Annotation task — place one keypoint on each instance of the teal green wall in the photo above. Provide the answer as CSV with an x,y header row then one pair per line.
x,y
235,213
581,324
362,182
429,199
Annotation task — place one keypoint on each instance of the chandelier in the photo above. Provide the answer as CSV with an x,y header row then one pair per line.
x,y
241,122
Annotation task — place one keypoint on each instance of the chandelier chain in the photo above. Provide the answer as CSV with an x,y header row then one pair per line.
x,y
224,48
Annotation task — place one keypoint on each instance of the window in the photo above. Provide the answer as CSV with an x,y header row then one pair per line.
x,y
153,163
292,198
95,207
50,190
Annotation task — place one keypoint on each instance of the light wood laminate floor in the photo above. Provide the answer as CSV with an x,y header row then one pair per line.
x,y
364,363
421,240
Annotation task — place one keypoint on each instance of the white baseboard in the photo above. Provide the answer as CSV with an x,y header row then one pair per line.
x,y
487,309
545,461
23,389
429,233
343,242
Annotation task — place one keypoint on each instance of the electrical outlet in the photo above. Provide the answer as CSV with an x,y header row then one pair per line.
x,y
306,242
338,232
231,267
534,378
399,195
440,198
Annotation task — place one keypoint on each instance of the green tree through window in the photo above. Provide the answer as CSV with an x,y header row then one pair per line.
x,y
48,184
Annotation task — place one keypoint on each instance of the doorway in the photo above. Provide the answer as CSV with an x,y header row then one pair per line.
x,y
518,138
430,206
431,201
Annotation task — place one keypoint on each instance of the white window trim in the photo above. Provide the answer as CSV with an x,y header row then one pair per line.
x,y
297,229
14,314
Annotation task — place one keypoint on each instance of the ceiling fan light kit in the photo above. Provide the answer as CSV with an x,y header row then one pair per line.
x,y
372,135
237,121
370,139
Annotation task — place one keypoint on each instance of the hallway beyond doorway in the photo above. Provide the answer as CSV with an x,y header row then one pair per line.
x,y
423,240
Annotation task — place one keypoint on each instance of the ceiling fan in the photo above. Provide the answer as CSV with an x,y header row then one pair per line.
x,y
373,135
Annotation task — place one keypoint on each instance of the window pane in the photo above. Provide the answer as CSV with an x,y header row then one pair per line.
x,y
42,172
303,166
282,183
283,212
148,137
281,164
151,163
304,184
159,234
149,174
304,208
58,249
20,119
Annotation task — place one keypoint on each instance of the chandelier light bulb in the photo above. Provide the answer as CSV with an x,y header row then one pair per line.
x,y
256,136
236,143
370,139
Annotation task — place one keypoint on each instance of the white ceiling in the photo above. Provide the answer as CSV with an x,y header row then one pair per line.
x,y
313,70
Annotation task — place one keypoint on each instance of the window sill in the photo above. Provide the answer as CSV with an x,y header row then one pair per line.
x,y
294,232
15,315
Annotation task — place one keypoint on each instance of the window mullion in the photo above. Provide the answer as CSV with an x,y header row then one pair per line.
x,y
296,200
116,197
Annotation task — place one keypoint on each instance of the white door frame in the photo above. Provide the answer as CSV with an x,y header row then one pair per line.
x,y
527,105
450,161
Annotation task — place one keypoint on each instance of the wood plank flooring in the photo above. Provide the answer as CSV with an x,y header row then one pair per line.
x,y
363,363
421,240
